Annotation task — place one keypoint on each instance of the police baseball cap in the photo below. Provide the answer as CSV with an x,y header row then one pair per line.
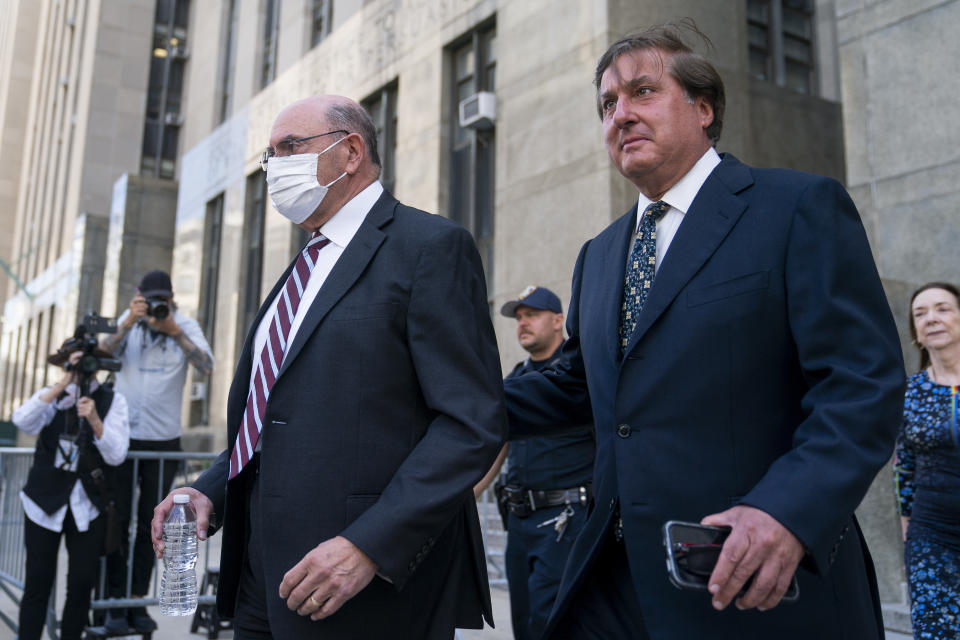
x,y
156,284
534,297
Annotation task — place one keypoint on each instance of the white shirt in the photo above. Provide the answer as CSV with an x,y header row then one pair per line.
x,y
34,414
153,376
680,196
340,230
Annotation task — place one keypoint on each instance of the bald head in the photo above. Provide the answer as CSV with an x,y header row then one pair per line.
x,y
331,113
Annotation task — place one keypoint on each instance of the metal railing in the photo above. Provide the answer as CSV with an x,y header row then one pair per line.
x,y
494,538
15,465
190,465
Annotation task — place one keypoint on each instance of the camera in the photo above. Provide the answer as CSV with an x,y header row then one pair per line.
x,y
84,339
158,308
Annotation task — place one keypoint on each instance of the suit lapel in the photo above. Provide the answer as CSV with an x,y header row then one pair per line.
x,y
609,285
712,215
349,266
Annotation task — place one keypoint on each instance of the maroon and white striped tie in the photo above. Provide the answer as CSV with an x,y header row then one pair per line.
x,y
271,357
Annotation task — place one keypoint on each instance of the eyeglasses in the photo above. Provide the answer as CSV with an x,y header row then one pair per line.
x,y
288,147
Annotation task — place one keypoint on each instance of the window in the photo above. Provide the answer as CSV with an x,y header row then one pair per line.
x,y
15,396
8,356
51,344
472,151
213,223
251,255
321,17
207,315
271,28
780,34
161,130
39,358
25,389
229,52
382,107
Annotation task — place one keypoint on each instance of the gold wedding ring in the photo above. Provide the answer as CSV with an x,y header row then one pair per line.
x,y
315,603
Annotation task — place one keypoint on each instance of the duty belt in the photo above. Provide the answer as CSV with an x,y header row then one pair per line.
x,y
521,501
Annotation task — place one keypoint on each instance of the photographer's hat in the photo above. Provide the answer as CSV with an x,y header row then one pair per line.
x,y
534,297
156,284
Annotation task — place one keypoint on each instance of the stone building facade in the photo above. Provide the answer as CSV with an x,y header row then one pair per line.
x,y
898,70
532,187
856,89
70,126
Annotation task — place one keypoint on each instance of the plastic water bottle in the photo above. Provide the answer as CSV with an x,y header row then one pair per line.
x,y
178,586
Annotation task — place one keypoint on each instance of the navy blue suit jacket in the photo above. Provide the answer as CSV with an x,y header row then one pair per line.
x,y
765,370
387,410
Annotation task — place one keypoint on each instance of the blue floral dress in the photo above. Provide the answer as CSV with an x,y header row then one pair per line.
x,y
927,476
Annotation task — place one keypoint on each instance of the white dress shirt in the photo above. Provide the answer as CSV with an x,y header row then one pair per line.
x,y
340,230
680,196
34,414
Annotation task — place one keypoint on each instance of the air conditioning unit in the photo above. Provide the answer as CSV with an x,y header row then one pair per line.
x,y
179,52
479,111
172,119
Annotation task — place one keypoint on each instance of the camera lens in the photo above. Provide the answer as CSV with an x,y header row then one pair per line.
x,y
158,309
88,364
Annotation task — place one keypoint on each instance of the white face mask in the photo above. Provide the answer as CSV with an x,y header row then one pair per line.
x,y
292,184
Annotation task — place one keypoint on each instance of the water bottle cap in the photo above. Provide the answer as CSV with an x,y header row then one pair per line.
x,y
181,498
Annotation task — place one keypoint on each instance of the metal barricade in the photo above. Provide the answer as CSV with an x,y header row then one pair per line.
x,y
14,467
190,465
494,538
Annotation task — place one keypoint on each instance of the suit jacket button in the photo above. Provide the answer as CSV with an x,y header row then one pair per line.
x,y
624,430
613,502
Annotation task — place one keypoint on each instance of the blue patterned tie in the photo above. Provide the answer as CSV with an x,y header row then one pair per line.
x,y
640,271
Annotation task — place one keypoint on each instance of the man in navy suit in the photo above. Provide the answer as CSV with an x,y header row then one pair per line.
x,y
348,513
730,339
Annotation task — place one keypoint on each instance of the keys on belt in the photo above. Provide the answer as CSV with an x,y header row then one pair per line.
x,y
521,501
559,522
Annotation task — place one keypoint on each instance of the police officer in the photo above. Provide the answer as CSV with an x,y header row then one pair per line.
x,y
546,484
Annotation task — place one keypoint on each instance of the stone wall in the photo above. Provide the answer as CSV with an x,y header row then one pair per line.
x,y
899,85
140,237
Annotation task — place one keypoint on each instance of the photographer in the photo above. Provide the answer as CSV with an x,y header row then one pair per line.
x,y
65,493
156,344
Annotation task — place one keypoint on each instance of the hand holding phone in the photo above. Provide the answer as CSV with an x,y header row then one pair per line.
x,y
692,552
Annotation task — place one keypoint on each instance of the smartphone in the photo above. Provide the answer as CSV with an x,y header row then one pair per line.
x,y
692,552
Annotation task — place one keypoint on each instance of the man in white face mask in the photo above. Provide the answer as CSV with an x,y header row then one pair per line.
x,y
292,180
367,403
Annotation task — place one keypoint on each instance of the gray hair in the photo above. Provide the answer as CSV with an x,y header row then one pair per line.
x,y
351,117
